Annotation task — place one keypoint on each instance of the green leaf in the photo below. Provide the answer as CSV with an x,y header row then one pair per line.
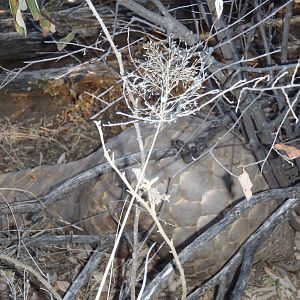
x,y
20,23
14,4
47,26
15,7
34,8
62,43
22,5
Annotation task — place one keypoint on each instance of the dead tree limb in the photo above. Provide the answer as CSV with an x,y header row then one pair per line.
x,y
230,217
33,205
286,32
46,239
245,256
20,267
85,274
167,22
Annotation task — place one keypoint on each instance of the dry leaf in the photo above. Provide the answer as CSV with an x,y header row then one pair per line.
x,y
283,281
61,159
246,184
20,21
63,285
219,8
292,152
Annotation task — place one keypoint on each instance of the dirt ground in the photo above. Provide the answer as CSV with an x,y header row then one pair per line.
x,y
38,132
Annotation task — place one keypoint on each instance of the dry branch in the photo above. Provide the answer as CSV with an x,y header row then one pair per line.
x,y
85,274
256,128
45,239
245,255
33,205
232,215
168,22
20,267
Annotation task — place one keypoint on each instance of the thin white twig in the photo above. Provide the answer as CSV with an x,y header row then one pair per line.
x,y
133,192
145,273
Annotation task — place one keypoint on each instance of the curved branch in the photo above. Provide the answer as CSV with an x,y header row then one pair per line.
x,y
20,266
232,215
33,205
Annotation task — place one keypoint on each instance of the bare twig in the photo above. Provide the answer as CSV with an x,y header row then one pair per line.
x,y
85,274
135,253
233,214
133,192
270,224
169,23
46,239
145,272
20,266
33,205
285,32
